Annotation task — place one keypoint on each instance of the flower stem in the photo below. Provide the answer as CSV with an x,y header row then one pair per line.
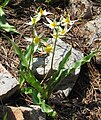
x,y
53,53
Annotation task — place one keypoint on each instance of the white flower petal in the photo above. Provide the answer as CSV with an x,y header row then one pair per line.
x,y
30,23
72,22
69,29
35,33
48,20
46,13
35,47
46,24
38,18
28,39
50,26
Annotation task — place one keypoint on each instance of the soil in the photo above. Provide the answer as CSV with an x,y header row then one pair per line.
x,y
84,101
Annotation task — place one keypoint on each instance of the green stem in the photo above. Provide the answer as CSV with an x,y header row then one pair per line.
x,y
33,34
33,31
53,53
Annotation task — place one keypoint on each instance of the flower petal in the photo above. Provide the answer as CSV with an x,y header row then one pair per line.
x,y
48,20
28,39
46,24
48,49
30,23
46,13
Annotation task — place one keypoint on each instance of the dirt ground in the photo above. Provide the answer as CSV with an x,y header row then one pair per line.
x,y
84,101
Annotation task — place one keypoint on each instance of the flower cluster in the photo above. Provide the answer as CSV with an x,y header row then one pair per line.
x,y
59,28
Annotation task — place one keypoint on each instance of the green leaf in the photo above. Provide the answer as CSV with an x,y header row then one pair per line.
x,y
5,116
1,11
29,52
63,73
46,39
64,60
4,25
35,97
5,3
30,78
21,80
79,63
55,78
16,48
7,27
18,51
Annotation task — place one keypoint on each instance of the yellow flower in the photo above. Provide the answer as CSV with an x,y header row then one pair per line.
x,y
67,21
48,49
36,40
62,31
34,20
52,24
55,36
43,12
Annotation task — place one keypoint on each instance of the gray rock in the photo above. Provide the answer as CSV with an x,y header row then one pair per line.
x,y
81,8
33,112
94,27
61,49
8,84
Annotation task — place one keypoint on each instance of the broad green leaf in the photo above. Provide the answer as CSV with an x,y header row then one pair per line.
x,y
57,74
29,52
35,97
64,60
66,72
7,27
5,116
5,3
24,62
21,80
4,25
1,11
30,78
79,63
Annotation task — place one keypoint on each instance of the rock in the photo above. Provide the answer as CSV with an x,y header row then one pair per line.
x,y
94,27
33,113
22,113
8,84
61,49
81,8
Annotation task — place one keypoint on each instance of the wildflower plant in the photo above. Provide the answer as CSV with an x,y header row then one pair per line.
x,y
36,90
